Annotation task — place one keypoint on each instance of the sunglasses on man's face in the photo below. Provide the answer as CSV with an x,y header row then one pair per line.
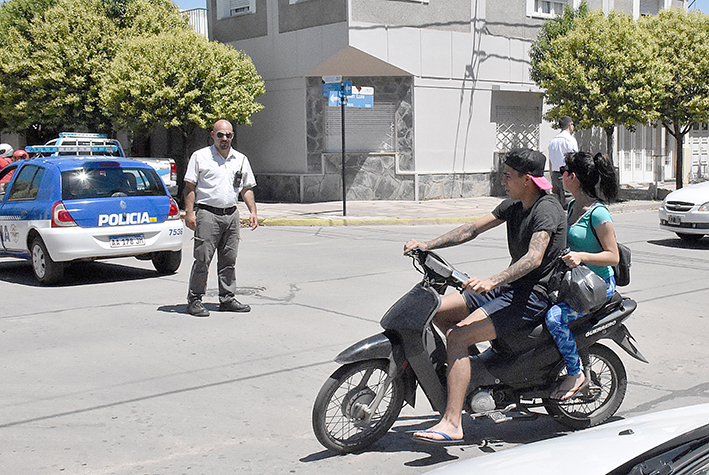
x,y
225,134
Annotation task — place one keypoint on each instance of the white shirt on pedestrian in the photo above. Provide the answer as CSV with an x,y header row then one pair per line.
x,y
560,146
213,176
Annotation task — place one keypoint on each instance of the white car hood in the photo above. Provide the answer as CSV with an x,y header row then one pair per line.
x,y
698,194
589,452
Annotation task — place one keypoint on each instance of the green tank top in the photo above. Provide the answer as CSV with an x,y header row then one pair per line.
x,y
580,236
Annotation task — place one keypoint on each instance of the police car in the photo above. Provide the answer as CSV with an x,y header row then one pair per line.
x,y
54,211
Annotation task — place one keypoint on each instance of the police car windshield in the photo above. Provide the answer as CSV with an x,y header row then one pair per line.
x,y
106,182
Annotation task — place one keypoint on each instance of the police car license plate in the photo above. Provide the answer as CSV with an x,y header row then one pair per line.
x,y
127,241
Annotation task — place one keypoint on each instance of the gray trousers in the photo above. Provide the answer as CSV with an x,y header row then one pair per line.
x,y
218,233
557,184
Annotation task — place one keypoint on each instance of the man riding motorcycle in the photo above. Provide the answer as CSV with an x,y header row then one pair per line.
x,y
509,301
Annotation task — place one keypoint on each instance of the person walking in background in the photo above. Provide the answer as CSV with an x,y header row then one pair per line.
x,y
20,155
5,155
591,238
559,146
215,176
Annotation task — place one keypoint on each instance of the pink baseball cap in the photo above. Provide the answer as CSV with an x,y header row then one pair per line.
x,y
529,162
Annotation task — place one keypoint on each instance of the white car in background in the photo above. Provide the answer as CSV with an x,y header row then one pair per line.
x,y
103,145
671,442
685,212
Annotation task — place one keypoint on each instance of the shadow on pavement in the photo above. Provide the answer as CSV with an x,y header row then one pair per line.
x,y
482,436
678,243
19,271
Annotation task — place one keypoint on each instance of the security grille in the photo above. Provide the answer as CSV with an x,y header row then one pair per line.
x,y
367,130
517,127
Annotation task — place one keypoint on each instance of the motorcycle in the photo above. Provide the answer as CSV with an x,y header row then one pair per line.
x,y
362,399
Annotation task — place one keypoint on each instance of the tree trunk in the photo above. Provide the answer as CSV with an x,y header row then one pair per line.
x,y
675,129
181,162
679,166
610,130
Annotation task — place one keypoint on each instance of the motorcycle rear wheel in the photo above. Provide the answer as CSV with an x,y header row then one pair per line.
x,y
603,397
339,409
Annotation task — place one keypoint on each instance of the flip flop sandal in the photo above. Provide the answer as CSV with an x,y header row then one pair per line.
x,y
446,440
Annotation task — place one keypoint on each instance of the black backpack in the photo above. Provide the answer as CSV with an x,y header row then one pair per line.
x,y
622,269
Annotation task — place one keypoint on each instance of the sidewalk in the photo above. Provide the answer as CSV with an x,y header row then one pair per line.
x,y
359,213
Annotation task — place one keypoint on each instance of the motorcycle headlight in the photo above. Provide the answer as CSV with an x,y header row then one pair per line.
x,y
704,207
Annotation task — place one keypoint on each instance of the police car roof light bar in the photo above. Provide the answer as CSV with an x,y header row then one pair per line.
x,y
81,134
70,148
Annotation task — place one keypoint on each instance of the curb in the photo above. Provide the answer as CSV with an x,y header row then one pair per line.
x,y
357,221
309,219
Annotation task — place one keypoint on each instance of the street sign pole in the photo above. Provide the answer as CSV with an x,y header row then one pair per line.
x,y
344,189
334,88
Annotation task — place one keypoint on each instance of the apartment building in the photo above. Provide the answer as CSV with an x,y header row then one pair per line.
x,y
451,94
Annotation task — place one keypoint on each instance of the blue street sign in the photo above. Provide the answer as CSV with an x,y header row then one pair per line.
x,y
333,99
361,101
328,87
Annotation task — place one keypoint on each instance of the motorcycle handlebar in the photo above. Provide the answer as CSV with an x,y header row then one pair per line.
x,y
435,264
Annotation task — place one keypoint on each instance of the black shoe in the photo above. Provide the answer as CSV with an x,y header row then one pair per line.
x,y
197,309
233,305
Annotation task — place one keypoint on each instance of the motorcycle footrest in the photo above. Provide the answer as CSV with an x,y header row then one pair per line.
x,y
498,417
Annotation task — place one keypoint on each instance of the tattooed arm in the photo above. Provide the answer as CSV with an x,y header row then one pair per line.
x,y
459,235
526,264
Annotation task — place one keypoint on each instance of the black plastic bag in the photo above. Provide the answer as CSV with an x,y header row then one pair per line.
x,y
582,289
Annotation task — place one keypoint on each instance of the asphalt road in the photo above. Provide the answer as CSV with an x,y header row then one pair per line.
x,y
108,374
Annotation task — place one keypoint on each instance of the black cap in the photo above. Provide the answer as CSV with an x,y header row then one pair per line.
x,y
530,162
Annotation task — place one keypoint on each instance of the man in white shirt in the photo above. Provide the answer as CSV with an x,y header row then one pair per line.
x,y
215,176
558,147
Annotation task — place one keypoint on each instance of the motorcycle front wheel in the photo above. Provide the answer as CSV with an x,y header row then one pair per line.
x,y
602,398
342,406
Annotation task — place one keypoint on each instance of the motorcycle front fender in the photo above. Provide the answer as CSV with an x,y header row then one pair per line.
x,y
373,348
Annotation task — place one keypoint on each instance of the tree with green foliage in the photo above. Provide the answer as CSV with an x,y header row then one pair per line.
x,y
54,53
179,80
550,30
50,77
682,39
603,72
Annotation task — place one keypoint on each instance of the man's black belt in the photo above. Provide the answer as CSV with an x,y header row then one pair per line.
x,y
213,210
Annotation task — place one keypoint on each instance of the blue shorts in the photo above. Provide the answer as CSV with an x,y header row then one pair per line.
x,y
511,309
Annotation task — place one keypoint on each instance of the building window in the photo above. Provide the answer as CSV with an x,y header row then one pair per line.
x,y
367,130
517,127
649,7
228,8
548,8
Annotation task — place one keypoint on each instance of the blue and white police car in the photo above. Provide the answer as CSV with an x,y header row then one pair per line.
x,y
54,211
